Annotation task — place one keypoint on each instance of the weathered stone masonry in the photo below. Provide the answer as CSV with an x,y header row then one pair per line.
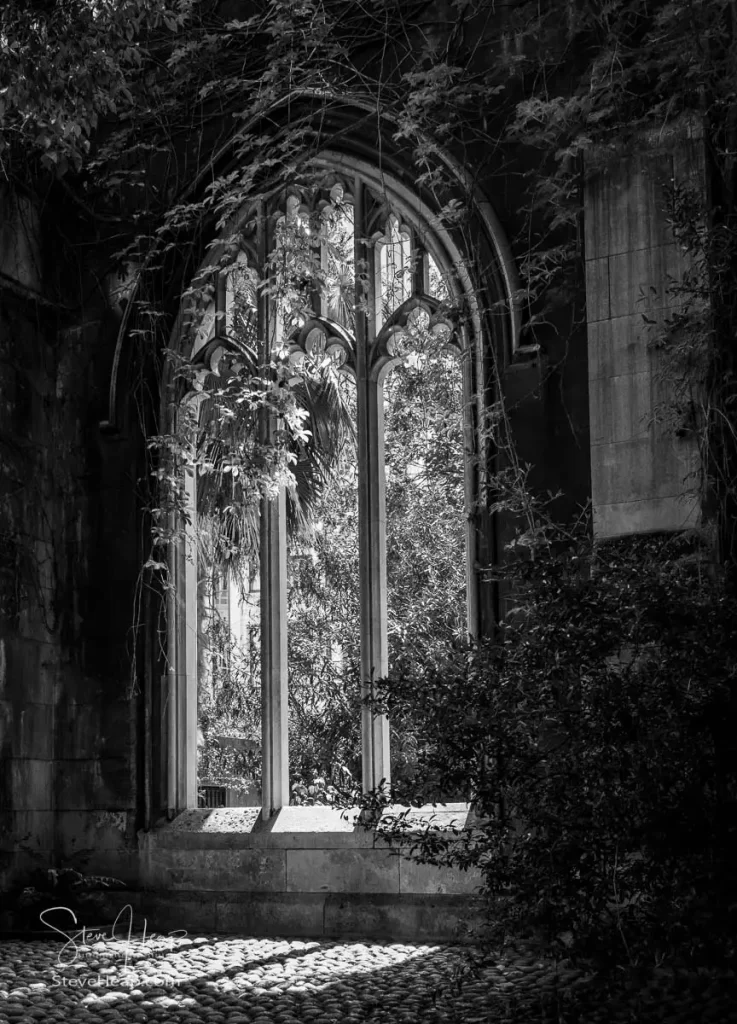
x,y
67,565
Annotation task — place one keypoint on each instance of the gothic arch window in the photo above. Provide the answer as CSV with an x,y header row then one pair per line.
x,y
388,281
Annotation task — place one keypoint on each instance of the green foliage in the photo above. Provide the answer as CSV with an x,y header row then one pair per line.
x,y
595,738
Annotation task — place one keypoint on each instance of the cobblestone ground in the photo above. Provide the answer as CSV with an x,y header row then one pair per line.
x,y
226,980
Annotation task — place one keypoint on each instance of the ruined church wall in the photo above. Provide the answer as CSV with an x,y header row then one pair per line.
x,y
644,462
68,560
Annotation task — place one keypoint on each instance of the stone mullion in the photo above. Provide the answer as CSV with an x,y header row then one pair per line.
x,y
180,688
175,611
187,688
273,574
420,270
371,524
471,492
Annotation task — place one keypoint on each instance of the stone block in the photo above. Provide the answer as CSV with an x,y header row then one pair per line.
x,y
28,670
44,567
624,205
27,729
122,863
402,918
597,195
165,914
182,840
689,164
679,512
33,624
347,870
598,306
92,730
28,831
618,347
18,869
637,211
94,783
27,785
252,870
639,281
649,467
293,914
428,878
93,831
289,828
244,828
621,408
75,690
299,915
312,820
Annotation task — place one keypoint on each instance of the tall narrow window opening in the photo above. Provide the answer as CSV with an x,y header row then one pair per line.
x,y
351,301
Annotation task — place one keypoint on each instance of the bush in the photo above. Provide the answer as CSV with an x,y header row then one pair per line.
x,y
596,739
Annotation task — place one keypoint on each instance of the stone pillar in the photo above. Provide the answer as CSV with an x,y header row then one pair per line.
x,y
274,694
273,575
187,676
180,698
644,477
371,533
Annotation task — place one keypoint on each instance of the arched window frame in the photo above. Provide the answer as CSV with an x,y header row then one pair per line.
x,y
368,354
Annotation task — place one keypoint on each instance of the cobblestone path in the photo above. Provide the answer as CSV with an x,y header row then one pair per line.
x,y
226,980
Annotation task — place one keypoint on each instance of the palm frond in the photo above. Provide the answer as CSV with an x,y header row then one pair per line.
x,y
228,512
331,425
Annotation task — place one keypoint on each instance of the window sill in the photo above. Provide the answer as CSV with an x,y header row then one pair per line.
x,y
306,871
319,827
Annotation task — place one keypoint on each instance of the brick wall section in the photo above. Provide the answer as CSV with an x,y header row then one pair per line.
x,y
643,476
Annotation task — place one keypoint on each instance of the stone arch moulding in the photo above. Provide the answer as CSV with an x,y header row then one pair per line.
x,y
180,728
507,287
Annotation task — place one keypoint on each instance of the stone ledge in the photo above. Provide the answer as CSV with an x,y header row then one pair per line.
x,y
231,828
410,918
233,850
427,918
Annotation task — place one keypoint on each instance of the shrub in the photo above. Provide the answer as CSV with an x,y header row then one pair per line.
x,y
595,737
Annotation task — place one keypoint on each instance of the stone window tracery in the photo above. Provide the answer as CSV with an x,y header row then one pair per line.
x,y
373,297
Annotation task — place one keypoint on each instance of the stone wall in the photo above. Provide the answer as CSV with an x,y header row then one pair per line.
x,y
643,476
308,871
67,562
